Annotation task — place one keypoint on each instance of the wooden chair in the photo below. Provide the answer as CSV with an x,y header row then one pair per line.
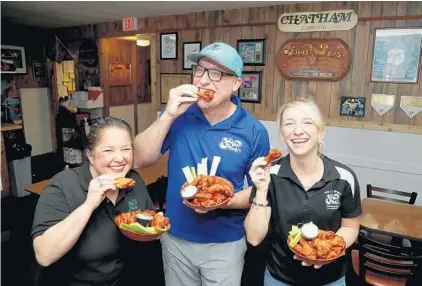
x,y
411,197
381,264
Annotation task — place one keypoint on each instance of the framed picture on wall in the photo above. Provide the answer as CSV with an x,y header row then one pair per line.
x,y
168,46
352,106
397,53
252,52
38,69
13,60
189,48
120,74
250,90
169,81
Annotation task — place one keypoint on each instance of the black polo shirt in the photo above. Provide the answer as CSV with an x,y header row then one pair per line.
x,y
335,196
97,256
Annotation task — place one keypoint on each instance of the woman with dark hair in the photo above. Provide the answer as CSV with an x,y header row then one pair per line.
x,y
74,234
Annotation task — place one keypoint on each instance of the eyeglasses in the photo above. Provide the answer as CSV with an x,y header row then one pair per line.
x,y
213,74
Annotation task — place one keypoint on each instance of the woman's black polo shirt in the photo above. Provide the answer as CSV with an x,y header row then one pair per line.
x,y
335,196
97,257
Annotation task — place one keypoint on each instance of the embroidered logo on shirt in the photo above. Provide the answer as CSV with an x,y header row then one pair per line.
x,y
332,199
231,144
132,205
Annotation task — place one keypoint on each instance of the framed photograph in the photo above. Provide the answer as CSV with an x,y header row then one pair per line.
x,y
13,60
189,48
250,90
252,52
38,69
397,53
169,81
352,106
168,46
120,74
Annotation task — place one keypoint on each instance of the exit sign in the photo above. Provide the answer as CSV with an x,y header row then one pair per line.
x,y
130,24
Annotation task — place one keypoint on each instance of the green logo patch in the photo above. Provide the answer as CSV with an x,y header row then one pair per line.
x,y
132,205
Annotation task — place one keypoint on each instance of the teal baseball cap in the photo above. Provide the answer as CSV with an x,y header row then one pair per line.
x,y
221,53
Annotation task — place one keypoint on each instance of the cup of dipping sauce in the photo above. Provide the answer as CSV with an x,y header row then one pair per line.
x,y
144,219
189,192
309,230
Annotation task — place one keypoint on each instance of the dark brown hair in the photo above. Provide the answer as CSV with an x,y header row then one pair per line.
x,y
101,124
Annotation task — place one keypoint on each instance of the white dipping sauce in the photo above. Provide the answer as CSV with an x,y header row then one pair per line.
x,y
309,230
189,192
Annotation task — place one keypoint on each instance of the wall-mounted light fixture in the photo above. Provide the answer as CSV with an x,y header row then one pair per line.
x,y
142,40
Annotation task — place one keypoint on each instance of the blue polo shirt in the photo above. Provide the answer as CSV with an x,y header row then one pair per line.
x,y
238,140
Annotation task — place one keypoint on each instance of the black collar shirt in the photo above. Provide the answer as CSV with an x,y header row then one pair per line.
x,y
335,196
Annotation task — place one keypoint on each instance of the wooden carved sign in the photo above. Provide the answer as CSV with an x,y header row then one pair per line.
x,y
309,59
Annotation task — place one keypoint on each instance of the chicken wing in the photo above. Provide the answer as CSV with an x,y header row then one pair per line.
x,y
123,183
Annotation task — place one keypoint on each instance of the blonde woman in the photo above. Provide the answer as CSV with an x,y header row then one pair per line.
x,y
303,186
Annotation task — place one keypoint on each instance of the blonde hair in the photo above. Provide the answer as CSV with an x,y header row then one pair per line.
x,y
310,108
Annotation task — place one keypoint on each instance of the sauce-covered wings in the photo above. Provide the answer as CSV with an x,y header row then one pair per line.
x,y
123,183
212,190
207,94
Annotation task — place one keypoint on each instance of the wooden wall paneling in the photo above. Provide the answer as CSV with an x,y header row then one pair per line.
x,y
278,82
231,25
360,60
323,88
372,87
270,70
246,32
345,84
313,85
121,52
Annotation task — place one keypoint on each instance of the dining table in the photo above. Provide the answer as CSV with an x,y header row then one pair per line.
x,y
149,175
392,218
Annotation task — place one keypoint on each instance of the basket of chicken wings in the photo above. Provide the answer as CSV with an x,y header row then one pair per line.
x,y
142,225
315,246
204,189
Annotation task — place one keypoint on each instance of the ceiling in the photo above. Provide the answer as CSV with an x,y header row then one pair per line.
x,y
55,14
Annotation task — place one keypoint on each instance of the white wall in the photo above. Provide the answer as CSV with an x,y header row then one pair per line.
x,y
383,159
36,119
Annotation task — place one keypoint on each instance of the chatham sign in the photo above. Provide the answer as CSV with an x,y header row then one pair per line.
x,y
318,21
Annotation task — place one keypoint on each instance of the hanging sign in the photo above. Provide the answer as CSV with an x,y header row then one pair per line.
x,y
411,105
312,59
335,20
130,24
382,103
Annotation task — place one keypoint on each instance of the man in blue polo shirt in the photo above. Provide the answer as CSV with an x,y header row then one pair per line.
x,y
205,248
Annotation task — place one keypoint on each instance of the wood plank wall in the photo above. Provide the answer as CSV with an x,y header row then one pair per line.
x,y
257,23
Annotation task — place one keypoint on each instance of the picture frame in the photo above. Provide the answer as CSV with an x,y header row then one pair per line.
x,y
189,48
120,74
396,56
252,52
13,60
38,69
168,46
352,106
172,80
251,88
